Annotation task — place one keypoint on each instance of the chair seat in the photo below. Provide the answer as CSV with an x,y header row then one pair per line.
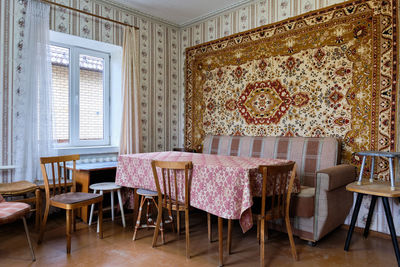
x,y
11,211
74,197
147,193
377,188
17,188
105,186
181,205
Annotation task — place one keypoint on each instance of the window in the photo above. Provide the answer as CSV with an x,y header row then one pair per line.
x,y
80,87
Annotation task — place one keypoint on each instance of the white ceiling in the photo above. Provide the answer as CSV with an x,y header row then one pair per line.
x,y
180,12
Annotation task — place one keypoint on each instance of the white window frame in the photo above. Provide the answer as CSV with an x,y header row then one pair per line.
x,y
74,81
115,93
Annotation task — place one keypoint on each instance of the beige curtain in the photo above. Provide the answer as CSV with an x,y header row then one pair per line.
x,y
131,137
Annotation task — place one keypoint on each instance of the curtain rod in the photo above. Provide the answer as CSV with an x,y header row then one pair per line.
x,y
87,13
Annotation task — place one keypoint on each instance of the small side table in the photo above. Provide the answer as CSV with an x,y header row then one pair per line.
x,y
373,154
108,187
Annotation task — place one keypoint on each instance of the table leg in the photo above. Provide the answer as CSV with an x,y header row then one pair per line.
x,y
220,241
135,205
353,220
389,219
369,218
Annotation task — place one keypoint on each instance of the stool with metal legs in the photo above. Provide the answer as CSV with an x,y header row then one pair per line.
x,y
376,189
147,197
108,187
389,155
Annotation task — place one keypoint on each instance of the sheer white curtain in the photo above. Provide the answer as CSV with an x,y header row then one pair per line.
x,y
131,137
32,100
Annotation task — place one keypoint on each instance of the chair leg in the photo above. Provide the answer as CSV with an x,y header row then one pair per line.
x,y
100,219
29,239
187,232
159,215
38,209
229,241
262,243
392,229
91,210
142,200
209,226
178,223
112,205
369,218
258,230
73,212
121,206
68,230
44,221
290,234
162,229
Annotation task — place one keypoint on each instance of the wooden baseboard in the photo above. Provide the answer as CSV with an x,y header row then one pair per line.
x,y
371,232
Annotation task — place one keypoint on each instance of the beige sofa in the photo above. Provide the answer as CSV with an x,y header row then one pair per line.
x,y
323,202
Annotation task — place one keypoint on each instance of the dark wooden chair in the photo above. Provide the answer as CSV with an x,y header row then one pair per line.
x,y
168,197
57,194
275,206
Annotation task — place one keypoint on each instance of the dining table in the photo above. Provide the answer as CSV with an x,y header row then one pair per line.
x,y
221,185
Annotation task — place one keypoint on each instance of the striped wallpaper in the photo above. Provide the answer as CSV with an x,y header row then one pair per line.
x,y
162,57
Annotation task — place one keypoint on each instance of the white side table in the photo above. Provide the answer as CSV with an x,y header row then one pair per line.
x,y
108,187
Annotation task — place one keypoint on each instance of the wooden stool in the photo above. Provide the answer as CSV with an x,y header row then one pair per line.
x,y
148,197
108,187
376,189
22,188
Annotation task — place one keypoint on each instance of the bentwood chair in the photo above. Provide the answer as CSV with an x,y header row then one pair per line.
x,y
57,194
274,205
169,188
11,211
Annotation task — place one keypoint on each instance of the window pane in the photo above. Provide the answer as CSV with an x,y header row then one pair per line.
x,y
60,89
91,98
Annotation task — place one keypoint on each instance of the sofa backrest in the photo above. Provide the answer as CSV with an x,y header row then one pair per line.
x,y
310,153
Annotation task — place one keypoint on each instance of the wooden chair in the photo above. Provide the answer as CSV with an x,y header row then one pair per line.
x,y
275,206
24,188
57,194
11,211
171,191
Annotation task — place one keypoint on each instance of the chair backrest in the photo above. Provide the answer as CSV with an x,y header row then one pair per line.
x,y
277,188
57,166
171,173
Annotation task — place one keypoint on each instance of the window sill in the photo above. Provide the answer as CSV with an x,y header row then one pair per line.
x,y
84,150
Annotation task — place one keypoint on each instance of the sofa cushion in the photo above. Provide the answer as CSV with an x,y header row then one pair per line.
x,y
303,203
310,153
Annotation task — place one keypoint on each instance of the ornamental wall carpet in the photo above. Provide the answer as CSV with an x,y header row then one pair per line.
x,y
329,72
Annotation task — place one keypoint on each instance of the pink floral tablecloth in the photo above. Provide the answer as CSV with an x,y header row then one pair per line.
x,y
221,185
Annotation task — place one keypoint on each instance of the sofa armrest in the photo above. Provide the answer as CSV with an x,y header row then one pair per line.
x,y
335,177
